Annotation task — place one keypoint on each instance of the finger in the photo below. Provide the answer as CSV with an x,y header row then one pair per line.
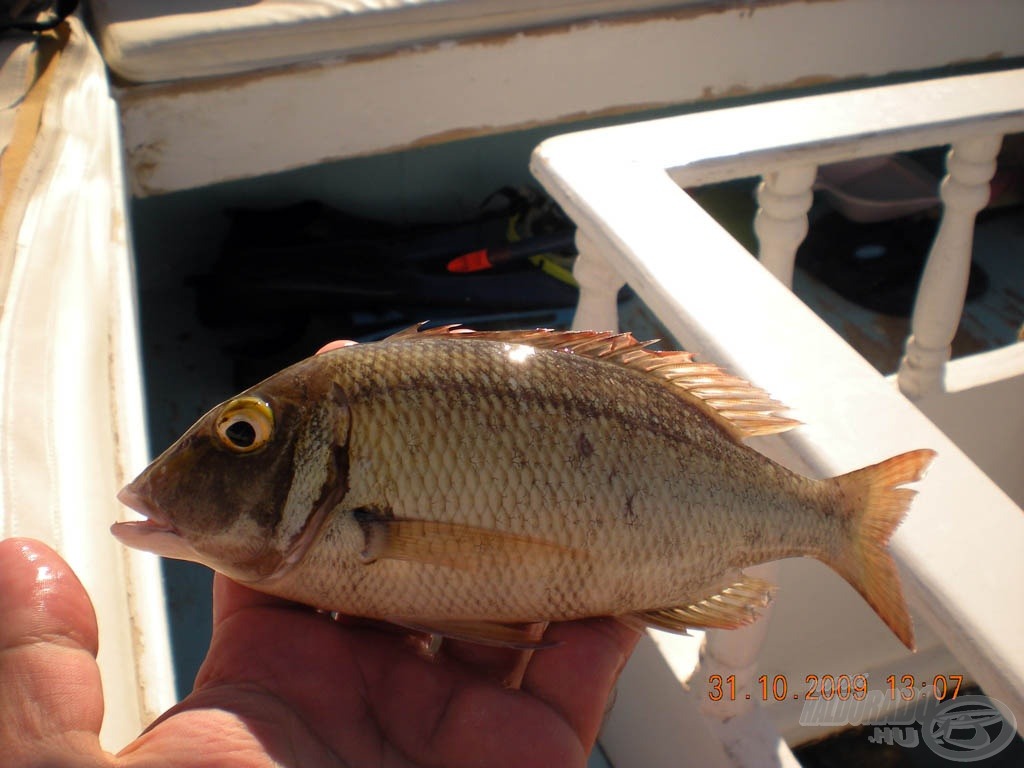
x,y
229,598
335,345
461,718
51,700
577,676
487,659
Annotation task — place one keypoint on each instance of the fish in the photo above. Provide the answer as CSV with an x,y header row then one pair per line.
x,y
474,484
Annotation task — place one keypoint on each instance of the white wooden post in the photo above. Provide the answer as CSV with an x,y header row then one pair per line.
x,y
970,165
733,655
597,309
784,197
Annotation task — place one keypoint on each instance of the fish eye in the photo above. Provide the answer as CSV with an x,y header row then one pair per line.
x,y
245,425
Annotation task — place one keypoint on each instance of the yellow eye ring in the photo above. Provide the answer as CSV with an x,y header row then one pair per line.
x,y
245,425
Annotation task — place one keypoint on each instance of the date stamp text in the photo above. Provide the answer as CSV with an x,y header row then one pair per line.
x,y
904,710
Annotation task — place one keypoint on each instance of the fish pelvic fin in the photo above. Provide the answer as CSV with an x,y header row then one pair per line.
x,y
524,637
874,501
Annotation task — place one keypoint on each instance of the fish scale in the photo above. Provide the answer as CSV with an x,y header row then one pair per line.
x,y
451,427
460,481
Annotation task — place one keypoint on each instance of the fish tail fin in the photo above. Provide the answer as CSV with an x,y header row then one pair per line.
x,y
873,501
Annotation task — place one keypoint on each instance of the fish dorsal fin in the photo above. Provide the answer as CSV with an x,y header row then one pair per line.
x,y
735,606
742,409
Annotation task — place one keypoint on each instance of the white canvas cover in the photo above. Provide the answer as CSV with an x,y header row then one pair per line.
x,y
71,415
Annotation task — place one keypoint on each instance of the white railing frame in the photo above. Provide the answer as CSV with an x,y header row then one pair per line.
x,y
623,186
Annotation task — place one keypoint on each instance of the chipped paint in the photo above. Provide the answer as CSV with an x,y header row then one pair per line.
x,y
145,160
201,131
619,110
129,89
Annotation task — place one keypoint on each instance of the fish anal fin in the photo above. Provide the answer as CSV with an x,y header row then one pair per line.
x,y
736,405
453,545
735,606
523,637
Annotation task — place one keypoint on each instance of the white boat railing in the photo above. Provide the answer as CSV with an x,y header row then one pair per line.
x,y
959,549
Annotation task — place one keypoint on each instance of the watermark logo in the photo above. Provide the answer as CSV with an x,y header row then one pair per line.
x,y
968,728
963,730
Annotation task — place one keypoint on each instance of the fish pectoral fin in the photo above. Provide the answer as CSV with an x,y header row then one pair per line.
x,y
454,545
735,606
524,637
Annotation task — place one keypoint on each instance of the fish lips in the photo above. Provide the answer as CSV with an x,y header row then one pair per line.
x,y
154,534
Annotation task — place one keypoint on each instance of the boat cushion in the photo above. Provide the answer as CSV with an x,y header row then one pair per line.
x,y
157,40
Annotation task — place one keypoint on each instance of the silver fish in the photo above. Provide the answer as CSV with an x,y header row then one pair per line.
x,y
464,483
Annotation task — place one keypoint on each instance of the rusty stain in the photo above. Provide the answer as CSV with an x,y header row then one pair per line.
x,y
144,92
145,157
471,132
742,8
130,91
989,57
149,153
145,160
710,93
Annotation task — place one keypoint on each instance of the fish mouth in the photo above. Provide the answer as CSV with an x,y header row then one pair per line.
x,y
155,534
154,521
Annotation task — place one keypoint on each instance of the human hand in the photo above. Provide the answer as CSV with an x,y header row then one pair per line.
x,y
283,685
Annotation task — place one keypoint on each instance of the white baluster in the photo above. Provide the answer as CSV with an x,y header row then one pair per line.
x,y
597,308
970,165
783,197
728,652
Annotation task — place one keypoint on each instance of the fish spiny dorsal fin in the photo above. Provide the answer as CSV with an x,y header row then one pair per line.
x,y
590,343
739,407
743,409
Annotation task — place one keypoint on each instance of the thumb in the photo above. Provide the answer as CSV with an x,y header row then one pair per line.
x,y
51,701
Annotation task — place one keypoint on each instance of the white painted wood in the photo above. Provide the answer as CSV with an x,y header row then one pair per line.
x,y
984,389
741,723
784,197
72,427
735,652
195,132
971,163
163,40
655,724
599,288
652,724
718,301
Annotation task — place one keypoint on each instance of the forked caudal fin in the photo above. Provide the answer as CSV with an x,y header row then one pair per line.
x,y
876,504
